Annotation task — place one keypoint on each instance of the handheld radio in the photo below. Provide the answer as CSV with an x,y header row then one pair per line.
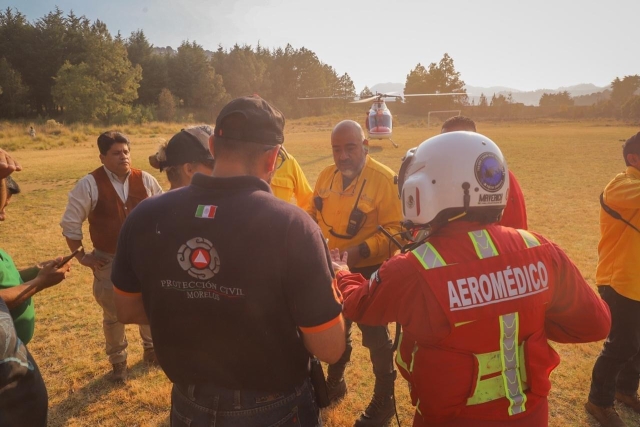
x,y
357,217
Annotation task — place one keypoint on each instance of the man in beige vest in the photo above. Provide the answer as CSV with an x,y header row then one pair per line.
x,y
105,197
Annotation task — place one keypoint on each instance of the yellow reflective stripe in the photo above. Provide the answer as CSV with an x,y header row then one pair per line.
x,y
413,357
483,244
428,256
493,388
529,239
457,325
522,367
487,391
418,407
509,326
399,360
488,363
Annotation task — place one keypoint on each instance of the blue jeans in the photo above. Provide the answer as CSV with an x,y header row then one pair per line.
x,y
211,406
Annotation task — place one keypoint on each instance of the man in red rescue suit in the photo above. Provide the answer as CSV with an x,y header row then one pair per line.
x,y
477,301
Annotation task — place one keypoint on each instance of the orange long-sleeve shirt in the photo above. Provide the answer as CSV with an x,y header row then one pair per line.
x,y
290,184
619,247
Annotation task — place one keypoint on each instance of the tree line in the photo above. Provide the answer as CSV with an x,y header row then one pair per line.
x,y
621,101
66,67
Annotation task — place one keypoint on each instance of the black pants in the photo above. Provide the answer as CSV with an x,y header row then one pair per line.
x,y
25,402
618,366
374,338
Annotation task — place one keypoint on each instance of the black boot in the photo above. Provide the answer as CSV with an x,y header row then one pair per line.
x,y
336,385
382,406
336,389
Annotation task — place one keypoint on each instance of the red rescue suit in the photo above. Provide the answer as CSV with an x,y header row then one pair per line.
x,y
515,212
477,304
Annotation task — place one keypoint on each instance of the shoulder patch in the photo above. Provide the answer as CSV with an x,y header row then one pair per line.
x,y
375,276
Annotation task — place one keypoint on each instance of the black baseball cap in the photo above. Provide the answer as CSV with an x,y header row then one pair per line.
x,y
187,146
250,119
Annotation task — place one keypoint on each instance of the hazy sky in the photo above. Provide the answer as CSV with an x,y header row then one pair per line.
x,y
522,45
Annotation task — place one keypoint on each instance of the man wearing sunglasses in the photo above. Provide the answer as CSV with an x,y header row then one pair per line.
x,y
236,284
352,198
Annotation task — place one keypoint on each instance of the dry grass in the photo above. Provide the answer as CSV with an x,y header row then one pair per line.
x,y
562,168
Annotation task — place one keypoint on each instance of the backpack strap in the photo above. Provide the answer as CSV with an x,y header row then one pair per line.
x,y
614,213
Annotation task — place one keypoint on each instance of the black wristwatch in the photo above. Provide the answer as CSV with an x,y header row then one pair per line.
x,y
364,250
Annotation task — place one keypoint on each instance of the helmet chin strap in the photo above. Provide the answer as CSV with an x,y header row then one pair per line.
x,y
428,228
466,201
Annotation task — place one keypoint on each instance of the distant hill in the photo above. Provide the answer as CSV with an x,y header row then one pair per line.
x,y
587,92
533,97
582,89
592,98
477,90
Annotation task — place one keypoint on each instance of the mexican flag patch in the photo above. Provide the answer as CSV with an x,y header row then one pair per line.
x,y
206,211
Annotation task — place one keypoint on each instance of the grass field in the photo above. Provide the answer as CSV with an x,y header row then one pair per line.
x,y
562,167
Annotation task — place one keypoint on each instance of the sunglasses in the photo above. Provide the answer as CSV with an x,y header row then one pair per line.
x,y
282,155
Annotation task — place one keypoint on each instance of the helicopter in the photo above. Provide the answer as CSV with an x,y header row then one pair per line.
x,y
379,121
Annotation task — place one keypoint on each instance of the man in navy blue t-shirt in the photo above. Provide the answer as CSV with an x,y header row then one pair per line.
x,y
236,284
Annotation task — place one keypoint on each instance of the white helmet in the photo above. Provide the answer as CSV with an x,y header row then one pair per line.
x,y
452,175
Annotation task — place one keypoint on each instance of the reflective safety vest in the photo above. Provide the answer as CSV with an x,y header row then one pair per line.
x,y
496,355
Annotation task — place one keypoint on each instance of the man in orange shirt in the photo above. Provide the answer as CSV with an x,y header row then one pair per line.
x,y
615,374
352,197
289,182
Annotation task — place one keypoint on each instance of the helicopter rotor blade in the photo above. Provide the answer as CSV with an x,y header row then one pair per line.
x,y
362,101
436,94
321,97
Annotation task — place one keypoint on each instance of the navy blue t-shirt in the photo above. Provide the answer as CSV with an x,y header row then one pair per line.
x,y
228,274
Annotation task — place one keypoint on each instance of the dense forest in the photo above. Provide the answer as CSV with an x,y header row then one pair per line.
x,y
65,67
